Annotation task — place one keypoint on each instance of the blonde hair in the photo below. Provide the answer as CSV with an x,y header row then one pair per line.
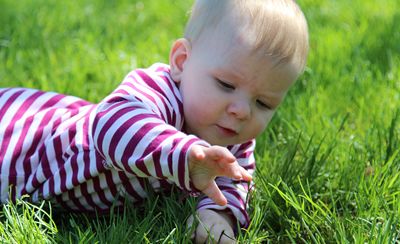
x,y
279,27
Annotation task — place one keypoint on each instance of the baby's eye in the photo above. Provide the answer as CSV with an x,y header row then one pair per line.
x,y
225,86
263,105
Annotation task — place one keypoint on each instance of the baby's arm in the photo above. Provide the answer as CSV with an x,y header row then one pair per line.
x,y
132,138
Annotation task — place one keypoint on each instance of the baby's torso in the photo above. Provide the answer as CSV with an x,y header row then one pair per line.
x,y
46,151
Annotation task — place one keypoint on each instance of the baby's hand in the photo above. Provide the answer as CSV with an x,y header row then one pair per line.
x,y
215,226
206,163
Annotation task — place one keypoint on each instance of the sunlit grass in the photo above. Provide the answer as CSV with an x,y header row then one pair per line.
x,y
328,165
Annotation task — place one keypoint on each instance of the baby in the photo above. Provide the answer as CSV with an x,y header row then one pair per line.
x,y
191,123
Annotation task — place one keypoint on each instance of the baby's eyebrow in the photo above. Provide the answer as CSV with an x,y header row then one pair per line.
x,y
232,75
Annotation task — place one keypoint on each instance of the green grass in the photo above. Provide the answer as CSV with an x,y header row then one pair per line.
x,y
328,165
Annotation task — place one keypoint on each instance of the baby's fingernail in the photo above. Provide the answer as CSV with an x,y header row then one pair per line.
x,y
248,177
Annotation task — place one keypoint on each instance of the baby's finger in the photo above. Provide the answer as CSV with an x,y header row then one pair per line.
x,y
220,154
215,194
235,171
232,171
246,176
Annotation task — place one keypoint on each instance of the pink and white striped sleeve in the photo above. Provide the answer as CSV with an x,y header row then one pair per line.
x,y
135,128
135,140
236,192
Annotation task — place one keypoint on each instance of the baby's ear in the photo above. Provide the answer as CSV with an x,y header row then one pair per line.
x,y
180,52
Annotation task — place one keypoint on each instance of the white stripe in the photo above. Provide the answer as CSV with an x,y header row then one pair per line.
x,y
94,195
139,149
105,144
105,188
142,145
12,109
144,87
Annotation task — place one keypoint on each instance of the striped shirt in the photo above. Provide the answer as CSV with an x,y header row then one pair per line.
x,y
93,156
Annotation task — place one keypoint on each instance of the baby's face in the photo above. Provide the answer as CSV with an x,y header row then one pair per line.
x,y
230,92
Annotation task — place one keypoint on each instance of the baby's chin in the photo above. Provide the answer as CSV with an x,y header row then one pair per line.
x,y
211,137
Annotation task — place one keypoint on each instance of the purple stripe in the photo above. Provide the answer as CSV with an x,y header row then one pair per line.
x,y
167,80
250,166
87,195
8,132
75,169
131,146
143,182
103,130
7,105
170,160
75,200
154,146
122,129
243,212
169,116
50,181
57,146
8,135
246,145
86,163
39,133
149,81
35,184
173,118
78,104
35,143
74,159
182,162
99,162
110,183
157,165
100,192
45,162
4,90
17,152
121,91
237,197
150,98
160,68
125,181
245,155
52,101
171,85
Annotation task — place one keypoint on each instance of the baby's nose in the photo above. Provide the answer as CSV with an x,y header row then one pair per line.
x,y
240,109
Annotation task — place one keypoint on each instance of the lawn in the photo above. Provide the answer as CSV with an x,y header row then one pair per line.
x,y
328,164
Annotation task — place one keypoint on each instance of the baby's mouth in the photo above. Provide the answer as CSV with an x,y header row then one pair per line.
x,y
227,131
